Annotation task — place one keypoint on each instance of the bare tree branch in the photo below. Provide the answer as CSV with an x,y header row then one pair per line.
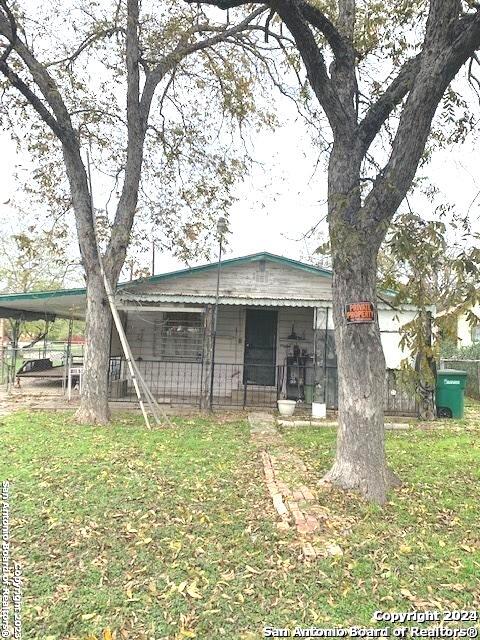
x,y
13,31
439,64
136,129
32,98
339,118
60,122
185,48
378,113
299,16
86,43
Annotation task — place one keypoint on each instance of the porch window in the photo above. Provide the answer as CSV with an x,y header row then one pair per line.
x,y
181,337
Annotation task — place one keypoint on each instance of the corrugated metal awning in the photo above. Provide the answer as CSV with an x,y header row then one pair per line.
x,y
161,298
146,300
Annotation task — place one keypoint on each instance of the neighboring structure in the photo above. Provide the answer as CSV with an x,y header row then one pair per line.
x,y
466,333
457,321
274,332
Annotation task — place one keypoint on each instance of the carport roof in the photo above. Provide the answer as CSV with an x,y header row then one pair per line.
x,y
45,305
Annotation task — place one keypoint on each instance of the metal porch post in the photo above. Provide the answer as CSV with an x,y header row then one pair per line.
x,y
221,228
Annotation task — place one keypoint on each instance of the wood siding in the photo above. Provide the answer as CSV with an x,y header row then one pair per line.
x,y
257,279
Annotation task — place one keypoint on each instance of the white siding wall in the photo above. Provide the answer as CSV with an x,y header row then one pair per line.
x,y
230,342
167,377
257,279
182,378
230,345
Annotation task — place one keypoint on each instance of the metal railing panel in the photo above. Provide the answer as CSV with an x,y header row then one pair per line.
x,y
181,383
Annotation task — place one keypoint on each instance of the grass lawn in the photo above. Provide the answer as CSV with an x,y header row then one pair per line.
x,y
171,533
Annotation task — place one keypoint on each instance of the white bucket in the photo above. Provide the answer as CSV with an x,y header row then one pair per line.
x,y
319,410
286,407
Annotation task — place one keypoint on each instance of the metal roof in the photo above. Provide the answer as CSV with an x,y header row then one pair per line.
x,y
254,257
150,300
210,299
64,303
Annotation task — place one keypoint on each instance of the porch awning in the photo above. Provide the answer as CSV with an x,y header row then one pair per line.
x,y
158,298
150,300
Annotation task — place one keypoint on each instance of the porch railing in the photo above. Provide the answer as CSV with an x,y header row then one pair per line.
x,y
180,383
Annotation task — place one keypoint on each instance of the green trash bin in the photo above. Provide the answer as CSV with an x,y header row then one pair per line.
x,y
450,391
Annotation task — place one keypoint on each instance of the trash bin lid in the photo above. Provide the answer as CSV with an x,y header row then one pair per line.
x,y
451,372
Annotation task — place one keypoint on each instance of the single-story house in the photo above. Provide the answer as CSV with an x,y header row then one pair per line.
x,y
274,333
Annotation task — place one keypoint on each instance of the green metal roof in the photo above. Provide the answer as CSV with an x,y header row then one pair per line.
x,y
39,295
254,257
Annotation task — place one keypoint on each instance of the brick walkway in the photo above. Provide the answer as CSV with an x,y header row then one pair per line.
x,y
286,476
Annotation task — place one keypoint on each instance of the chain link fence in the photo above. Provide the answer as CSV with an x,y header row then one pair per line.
x,y
37,361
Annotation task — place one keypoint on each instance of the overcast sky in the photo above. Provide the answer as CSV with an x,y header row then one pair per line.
x,y
281,199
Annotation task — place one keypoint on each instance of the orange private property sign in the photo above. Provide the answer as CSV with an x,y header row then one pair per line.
x,y
356,312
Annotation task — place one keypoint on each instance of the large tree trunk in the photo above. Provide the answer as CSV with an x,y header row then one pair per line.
x,y
360,462
94,399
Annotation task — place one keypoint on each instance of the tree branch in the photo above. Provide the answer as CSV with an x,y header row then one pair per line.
x,y
339,45
184,48
87,42
32,98
13,31
339,118
61,123
441,22
299,15
9,31
439,64
136,129
343,70
378,113
226,4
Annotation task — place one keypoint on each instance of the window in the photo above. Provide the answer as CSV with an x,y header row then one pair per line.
x,y
476,333
180,337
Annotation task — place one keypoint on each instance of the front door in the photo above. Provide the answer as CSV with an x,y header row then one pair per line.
x,y
260,347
